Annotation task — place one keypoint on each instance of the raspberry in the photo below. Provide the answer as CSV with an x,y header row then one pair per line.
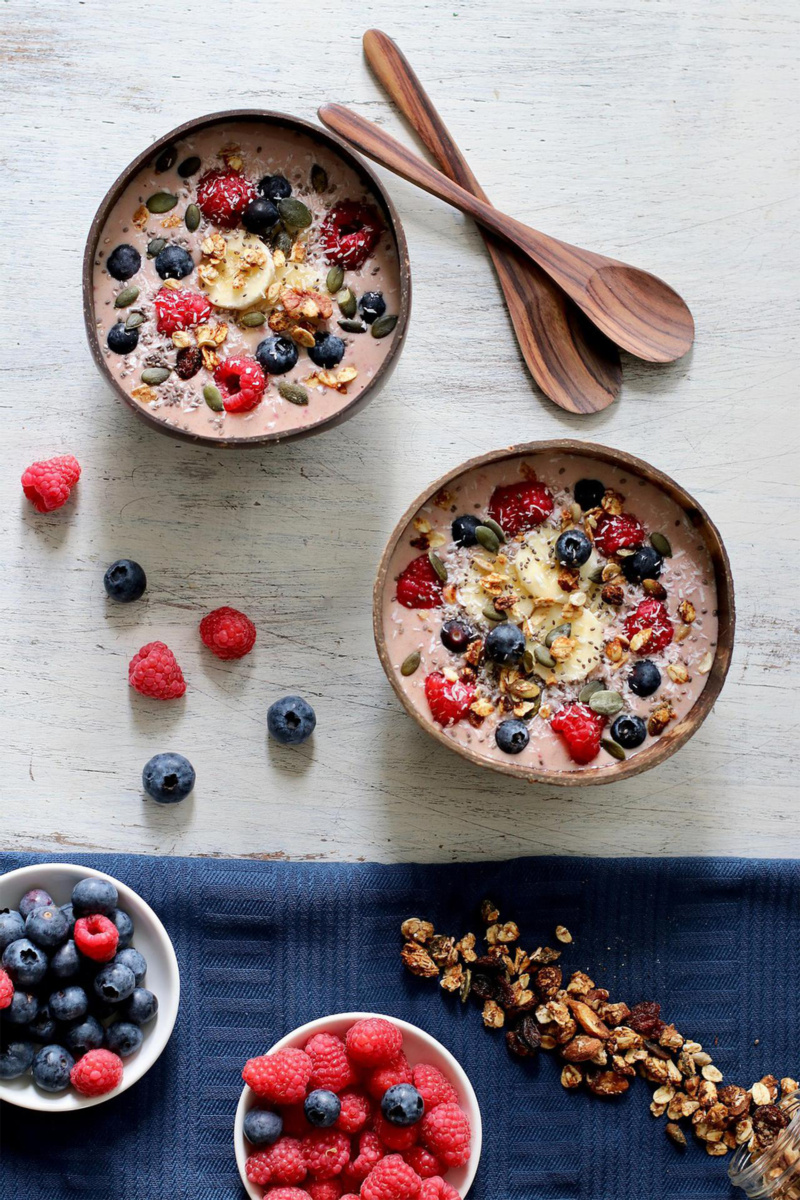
x,y
295,1121
287,1193
331,1067
581,727
281,1163
370,1152
228,633
433,1086
223,195
356,1111
326,1152
48,484
6,989
391,1179
241,382
397,1071
96,937
418,585
373,1042
448,701
395,1137
349,233
437,1188
617,533
97,1072
424,1163
178,308
446,1133
520,506
651,615
279,1078
325,1189
154,671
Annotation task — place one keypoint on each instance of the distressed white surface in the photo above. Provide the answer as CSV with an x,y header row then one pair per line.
x,y
664,133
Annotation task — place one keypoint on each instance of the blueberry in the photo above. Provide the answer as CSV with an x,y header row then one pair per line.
x,y
15,1059
12,927
291,720
277,354
327,351
262,1128
43,1026
402,1104
456,636
168,778
322,1108
573,548
505,644
124,926
70,915
125,581
644,563
66,962
173,262
628,731
588,493
141,1007
124,1038
463,529
275,187
123,261
371,306
70,1004
51,1068
94,896
122,340
25,963
36,898
114,982
84,1036
260,216
645,678
135,961
512,736
22,1010
47,926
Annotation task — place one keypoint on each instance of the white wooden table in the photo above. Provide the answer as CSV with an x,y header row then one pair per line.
x,y
662,132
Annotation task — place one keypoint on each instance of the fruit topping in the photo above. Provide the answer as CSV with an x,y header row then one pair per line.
x,y
275,187
418,585
291,720
48,484
96,1073
581,729
588,493
260,216
349,233
505,644
121,340
644,563
241,382
449,701
402,1105
648,627
228,633
512,736
457,635
371,306
168,778
463,529
277,354
123,262
125,581
173,262
178,308
628,731
645,678
223,196
573,548
154,671
620,532
517,507
327,351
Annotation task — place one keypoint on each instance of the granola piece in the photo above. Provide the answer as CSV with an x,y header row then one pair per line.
x,y
678,673
562,933
640,640
509,932
544,955
141,216
614,650
772,1086
466,947
417,960
660,719
582,1048
588,1019
307,304
670,1038
654,1069
453,978
415,930
606,1083
707,1093
181,339
761,1094
789,1086
717,1116
612,502
686,612
443,950
595,998
548,981
614,1014
681,1106
712,1073
568,580
579,984
716,1149
613,593
676,1134
657,1109
686,1063
571,1077
493,1015
621,1067
736,1099
623,1039
654,588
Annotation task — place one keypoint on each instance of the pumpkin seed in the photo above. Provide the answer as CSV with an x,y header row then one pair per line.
x,y
596,576
213,397
252,320
536,701
559,631
166,159
126,297
439,568
189,166
495,528
466,986
586,692
383,326
613,749
294,213
410,664
334,280
295,393
352,326
527,662
161,202
605,703
283,242
319,178
347,303
661,543
155,375
492,614
155,247
134,320
543,656
192,217
487,538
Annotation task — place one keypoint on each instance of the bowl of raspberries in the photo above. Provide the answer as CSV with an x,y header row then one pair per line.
x,y
89,987
357,1105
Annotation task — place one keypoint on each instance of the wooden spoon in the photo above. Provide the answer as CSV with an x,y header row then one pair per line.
x,y
570,359
638,311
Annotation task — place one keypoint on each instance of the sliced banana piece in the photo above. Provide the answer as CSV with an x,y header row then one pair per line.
x,y
587,630
536,568
243,276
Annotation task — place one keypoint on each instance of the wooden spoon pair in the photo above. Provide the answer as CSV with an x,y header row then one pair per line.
x,y
550,286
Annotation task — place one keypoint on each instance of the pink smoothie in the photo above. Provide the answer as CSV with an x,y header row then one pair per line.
x,y
687,578
263,150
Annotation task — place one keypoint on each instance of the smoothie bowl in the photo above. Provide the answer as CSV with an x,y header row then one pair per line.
x,y
559,611
246,280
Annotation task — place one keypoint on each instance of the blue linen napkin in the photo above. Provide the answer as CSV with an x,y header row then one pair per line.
x,y
264,947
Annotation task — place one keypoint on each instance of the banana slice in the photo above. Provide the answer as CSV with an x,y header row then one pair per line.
x,y
240,278
587,631
537,571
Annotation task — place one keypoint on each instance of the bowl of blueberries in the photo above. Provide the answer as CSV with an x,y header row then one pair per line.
x,y
89,987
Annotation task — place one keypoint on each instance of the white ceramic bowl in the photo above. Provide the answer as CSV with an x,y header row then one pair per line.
x,y
418,1046
149,936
